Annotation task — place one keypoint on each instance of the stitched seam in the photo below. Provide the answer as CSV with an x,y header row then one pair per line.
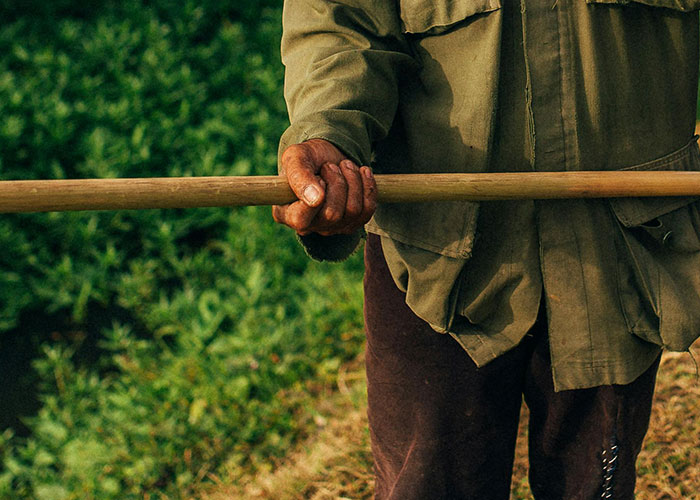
x,y
668,159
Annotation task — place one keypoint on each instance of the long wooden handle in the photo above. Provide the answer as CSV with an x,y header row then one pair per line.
x,y
188,192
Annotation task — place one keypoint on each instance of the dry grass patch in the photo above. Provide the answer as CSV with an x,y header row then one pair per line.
x,y
669,465
335,462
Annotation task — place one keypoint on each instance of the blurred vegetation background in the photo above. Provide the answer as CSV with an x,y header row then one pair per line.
x,y
145,352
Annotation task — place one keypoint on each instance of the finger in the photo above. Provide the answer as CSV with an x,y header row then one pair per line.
x,y
354,202
301,172
336,196
298,215
369,193
369,198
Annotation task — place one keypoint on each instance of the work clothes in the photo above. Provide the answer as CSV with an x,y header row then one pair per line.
x,y
415,86
442,428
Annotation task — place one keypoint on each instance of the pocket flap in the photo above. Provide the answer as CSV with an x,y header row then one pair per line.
x,y
419,16
636,211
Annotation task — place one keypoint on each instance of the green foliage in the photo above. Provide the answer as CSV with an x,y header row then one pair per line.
x,y
128,96
206,394
218,320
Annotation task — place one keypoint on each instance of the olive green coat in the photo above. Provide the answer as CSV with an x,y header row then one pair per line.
x,y
413,86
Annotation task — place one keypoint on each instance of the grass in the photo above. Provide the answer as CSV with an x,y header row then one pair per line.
x,y
334,462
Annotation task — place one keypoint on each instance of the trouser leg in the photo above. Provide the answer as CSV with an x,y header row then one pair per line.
x,y
440,428
583,444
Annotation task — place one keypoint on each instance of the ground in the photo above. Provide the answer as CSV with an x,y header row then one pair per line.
x,y
335,461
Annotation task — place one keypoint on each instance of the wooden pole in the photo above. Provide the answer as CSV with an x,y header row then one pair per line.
x,y
188,192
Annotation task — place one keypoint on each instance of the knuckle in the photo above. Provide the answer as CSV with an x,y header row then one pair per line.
x,y
332,215
350,167
294,176
335,169
335,178
332,169
293,151
297,221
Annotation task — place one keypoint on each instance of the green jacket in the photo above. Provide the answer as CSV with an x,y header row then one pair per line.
x,y
413,86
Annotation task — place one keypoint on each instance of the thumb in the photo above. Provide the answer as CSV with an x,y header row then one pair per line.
x,y
301,172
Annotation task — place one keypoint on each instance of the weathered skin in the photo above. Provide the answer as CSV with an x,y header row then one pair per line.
x,y
335,195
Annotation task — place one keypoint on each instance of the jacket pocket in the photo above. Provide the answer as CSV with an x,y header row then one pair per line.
x,y
677,229
673,222
430,18
680,5
658,247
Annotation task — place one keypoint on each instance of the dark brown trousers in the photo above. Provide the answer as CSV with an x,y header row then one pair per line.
x,y
441,428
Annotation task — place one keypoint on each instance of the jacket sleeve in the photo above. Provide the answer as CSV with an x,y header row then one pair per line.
x,y
343,62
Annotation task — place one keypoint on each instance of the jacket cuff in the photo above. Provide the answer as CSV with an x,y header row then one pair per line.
x,y
333,248
342,134
346,125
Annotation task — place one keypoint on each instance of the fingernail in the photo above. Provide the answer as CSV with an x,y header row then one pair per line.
x,y
311,195
367,172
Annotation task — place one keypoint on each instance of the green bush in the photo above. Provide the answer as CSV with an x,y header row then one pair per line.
x,y
217,321
130,96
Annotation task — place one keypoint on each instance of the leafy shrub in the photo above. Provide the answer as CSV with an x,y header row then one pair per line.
x,y
217,319
126,96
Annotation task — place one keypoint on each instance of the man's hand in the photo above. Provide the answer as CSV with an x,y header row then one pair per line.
x,y
335,195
